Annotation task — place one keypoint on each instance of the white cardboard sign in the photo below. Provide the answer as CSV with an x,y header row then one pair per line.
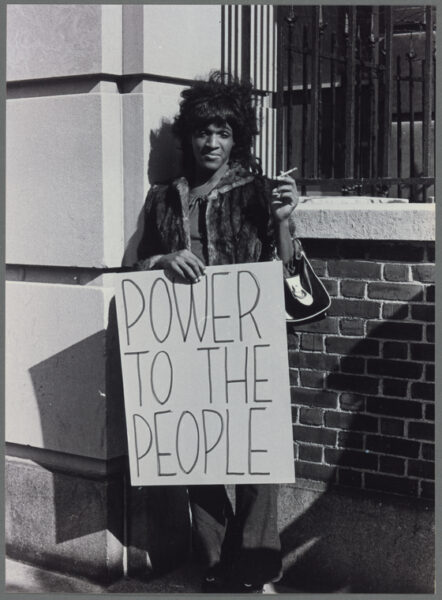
x,y
206,379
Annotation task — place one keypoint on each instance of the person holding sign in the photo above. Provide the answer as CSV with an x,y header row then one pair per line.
x,y
223,211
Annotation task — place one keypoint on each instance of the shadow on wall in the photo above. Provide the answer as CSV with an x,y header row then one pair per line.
x,y
355,540
164,164
164,161
77,415
68,386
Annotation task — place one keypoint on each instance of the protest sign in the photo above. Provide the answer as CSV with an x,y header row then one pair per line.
x,y
205,373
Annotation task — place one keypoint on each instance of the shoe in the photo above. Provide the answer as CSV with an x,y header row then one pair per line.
x,y
213,584
247,588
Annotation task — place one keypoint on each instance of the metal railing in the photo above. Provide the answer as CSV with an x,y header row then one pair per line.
x,y
355,99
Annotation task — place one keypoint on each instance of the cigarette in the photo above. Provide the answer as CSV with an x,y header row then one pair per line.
x,y
284,173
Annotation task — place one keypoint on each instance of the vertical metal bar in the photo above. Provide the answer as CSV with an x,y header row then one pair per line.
x,y
425,128
371,122
253,62
375,128
279,93
350,93
358,94
399,123
262,52
320,113
275,35
255,46
229,39
291,22
269,88
434,82
304,102
268,52
332,102
235,28
411,111
315,92
388,96
246,42
259,72
223,41
427,76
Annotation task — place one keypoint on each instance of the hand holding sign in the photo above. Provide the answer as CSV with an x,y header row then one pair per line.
x,y
183,264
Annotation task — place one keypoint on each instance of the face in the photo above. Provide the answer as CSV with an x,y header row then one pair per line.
x,y
211,147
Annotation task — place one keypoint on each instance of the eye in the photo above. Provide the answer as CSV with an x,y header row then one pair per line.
x,y
225,134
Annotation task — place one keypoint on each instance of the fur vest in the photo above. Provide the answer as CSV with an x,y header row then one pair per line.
x,y
238,220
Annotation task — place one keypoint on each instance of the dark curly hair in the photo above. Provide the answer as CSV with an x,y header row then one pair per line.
x,y
219,100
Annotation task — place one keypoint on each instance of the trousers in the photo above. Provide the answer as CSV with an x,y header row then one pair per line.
x,y
242,544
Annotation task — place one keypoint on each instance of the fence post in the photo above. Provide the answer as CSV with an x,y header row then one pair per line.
x,y
315,92
388,97
350,30
426,88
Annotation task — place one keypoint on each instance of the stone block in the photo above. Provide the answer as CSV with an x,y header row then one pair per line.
x,y
59,40
64,522
182,41
63,388
358,219
64,181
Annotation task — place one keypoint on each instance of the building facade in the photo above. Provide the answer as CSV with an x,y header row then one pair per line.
x,y
92,90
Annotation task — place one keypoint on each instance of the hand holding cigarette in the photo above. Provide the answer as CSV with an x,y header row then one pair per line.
x,y
285,196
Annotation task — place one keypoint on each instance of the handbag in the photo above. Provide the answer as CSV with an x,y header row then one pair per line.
x,y
306,298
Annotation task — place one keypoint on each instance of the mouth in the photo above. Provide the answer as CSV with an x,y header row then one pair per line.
x,y
211,155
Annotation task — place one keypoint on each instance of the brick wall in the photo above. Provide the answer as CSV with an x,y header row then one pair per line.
x,y
362,379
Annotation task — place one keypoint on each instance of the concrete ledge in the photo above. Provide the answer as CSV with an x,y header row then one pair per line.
x,y
362,219
69,464
63,522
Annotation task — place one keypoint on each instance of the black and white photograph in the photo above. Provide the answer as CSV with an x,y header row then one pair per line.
x,y
220,299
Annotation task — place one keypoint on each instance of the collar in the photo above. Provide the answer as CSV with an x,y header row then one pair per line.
x,y
235,176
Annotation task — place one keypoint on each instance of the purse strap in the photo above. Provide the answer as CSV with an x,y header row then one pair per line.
x,y
293,266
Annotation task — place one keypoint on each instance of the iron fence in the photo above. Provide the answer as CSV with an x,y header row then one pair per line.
x,y
355,98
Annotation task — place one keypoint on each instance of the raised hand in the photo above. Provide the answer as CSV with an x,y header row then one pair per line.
x,y
285,198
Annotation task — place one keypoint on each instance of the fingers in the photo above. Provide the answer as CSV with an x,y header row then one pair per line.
x,y
194,262
188,268
188,265
175,269
286,194
287,186
198,262
284,191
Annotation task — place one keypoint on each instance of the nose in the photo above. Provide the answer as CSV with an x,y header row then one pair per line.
x,y
212,141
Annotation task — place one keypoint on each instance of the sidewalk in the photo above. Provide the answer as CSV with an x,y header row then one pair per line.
x,y
333,541
26,579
